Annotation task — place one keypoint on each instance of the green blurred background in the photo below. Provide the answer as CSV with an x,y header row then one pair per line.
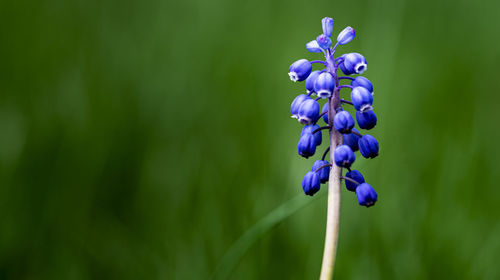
x,y
141,139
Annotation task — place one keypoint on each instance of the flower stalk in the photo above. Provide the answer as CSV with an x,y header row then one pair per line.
x,y
324,83
333,212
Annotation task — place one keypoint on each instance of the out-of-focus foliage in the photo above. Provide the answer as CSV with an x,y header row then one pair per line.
x,y
140,139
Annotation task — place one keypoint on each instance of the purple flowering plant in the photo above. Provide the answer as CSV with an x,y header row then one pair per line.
x,y
335,75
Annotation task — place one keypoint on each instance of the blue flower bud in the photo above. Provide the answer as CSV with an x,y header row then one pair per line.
x,y
300,70
366,195
309,129
346,35
342,66
311,183
343,122
325,116
308,111
313,47
307,145
355,63
368,146
327,24
324,85
361,81
324,173
344,156
351,140
362,99
356,176
294,108
324,41
310,81
366,119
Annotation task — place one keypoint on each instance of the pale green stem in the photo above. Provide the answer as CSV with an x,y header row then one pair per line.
x,y
333,214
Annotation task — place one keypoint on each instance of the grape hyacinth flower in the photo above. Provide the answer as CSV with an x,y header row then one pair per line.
x,y
311,80
344,156
324,85
355,63
362,99
327,25
310,129
346,35
361,81
327,82
343,122
307,145
324,41
313,46
352,139
355,176
294,108
323,168
311,183
366,195
367,119
308,111
299,70
368,146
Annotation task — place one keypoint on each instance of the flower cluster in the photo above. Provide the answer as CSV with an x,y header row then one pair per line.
x,y
325,84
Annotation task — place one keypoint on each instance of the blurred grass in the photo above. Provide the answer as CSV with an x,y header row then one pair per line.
x,y
140,139
240,247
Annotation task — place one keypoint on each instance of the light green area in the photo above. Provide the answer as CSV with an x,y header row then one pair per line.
x,y
142,139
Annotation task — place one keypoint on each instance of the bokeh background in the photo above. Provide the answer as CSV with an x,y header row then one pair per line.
x,y
141,139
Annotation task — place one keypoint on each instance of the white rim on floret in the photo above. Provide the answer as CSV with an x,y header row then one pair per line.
x,y
366,107
293,76
360,68
305,121
324,93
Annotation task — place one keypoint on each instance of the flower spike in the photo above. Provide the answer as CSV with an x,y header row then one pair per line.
x,y
344,139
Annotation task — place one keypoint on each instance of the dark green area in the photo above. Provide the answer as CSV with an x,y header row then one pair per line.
x,y
141,139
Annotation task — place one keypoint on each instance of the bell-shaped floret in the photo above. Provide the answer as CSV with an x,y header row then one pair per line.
x,y
344,156
300,70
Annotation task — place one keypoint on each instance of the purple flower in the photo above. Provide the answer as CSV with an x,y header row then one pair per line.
x,y
324,85
351,140
300,70
307,145
324,172
344,156
324,41
343,122
310,81
361,81
311,183
366,195
356,176
313,47
368,146
308,111
366,119
346,35
355,63
327,24
310,129
362,99
294,108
